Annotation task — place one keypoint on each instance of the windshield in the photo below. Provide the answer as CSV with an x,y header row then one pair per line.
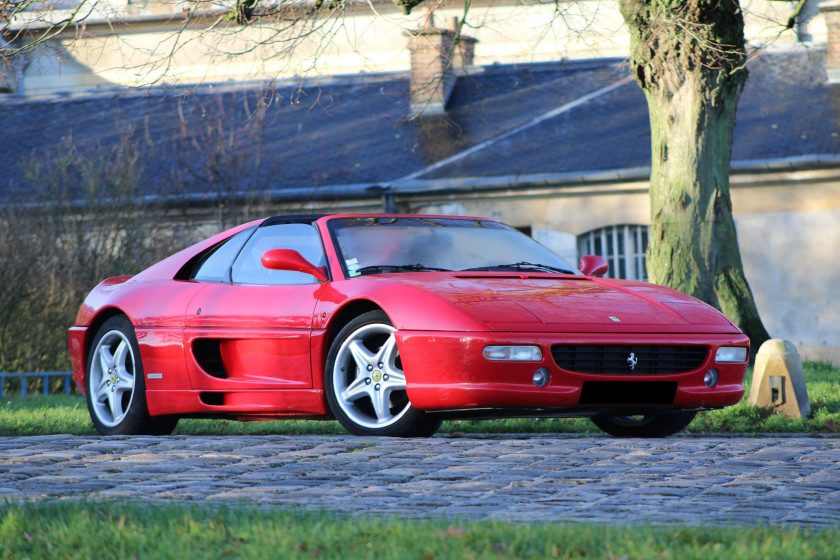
x,y
375,245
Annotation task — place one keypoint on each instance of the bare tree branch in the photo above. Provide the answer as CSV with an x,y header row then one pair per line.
x,y
796,11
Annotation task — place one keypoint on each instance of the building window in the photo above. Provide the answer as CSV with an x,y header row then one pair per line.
x,y
623,246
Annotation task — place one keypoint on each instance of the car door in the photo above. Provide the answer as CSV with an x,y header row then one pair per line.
x,y
249,327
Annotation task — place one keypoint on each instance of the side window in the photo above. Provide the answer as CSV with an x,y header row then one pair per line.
x,y
303,238
215,267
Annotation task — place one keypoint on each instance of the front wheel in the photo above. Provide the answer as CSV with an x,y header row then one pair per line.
x,y
116,388
365,383
647,426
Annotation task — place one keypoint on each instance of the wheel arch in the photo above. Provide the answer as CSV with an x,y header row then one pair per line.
x,y
126,418
96,323
341,317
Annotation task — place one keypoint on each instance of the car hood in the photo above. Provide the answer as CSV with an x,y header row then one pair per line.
x,y
564,303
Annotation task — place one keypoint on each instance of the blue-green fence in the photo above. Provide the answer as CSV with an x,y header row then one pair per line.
x,y
45,376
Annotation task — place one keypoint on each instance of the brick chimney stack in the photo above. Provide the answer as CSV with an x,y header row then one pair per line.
x,y
432,75
831,13
435,57
463,52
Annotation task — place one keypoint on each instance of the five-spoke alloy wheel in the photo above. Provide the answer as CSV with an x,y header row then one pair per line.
x,y
116,389
365,383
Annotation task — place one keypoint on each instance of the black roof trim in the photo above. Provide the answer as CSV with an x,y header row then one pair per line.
x,y
301,219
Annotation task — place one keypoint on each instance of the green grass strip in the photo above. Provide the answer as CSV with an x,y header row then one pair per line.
x,y
107,530
59,414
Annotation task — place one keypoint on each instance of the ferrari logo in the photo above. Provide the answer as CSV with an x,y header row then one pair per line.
x,y
632,360
615,319
377,376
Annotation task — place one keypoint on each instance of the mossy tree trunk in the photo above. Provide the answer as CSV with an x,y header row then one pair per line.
x,y
689,58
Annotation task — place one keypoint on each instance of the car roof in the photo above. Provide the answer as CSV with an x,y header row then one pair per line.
x,y
293,219
310,218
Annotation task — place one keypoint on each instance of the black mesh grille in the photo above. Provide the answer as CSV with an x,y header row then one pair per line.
x,y
628,360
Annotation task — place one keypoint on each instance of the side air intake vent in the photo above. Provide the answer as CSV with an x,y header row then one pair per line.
x,y
212,399
208,354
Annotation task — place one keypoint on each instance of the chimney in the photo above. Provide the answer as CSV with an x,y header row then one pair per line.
x,y
432,75
831,13
436,54
464,54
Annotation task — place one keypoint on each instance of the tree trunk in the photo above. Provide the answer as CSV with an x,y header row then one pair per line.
x,y
689,58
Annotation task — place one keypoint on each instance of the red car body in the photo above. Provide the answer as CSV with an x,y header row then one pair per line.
x,y
271,343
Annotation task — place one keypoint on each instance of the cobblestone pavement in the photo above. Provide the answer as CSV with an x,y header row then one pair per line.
x,y
694,480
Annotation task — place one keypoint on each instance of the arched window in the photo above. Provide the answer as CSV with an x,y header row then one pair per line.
x,y
623,246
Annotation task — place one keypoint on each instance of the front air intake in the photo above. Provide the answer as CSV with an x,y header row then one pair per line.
x,y
627,359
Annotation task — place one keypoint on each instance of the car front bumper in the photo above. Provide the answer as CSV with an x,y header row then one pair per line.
x,y
76,340
448,371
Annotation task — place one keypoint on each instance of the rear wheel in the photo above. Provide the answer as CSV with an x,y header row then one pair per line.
x,y
648,425
116,387
365,383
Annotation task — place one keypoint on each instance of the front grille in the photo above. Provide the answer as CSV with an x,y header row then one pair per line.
x,y
628,360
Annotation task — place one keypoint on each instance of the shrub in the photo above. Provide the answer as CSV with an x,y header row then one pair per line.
x,y
78,223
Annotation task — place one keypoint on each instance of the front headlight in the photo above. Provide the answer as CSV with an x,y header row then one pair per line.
x,y
731,354
513,353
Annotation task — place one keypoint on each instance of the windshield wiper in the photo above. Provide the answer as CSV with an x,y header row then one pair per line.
x,y
521,265
386,268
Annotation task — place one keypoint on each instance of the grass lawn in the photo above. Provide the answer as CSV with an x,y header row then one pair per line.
x,y
59,414
112,530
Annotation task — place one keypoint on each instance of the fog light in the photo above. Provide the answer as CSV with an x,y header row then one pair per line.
x,y
513,353
731,354
541,377
711,378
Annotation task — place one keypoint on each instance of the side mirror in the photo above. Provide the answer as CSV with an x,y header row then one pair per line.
x,y
593,265
289,259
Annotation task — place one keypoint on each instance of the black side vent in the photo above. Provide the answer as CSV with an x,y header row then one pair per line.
x,y
212,399
208,354
628,360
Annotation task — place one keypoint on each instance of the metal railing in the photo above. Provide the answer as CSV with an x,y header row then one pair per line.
x,y
67,376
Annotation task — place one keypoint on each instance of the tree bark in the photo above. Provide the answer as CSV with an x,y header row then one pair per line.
x,y
689,58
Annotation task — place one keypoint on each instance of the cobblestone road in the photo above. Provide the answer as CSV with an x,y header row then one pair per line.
x,y
695,480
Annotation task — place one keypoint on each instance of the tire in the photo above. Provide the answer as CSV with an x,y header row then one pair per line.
x,y
116,385
647,426
365,383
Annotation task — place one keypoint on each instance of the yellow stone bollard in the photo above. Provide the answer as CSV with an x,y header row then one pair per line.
x,y
778,383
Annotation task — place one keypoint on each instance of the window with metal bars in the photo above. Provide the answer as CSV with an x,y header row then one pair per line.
x,y
622,245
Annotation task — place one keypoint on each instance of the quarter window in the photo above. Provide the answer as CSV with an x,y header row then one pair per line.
x,y
215,267
623,246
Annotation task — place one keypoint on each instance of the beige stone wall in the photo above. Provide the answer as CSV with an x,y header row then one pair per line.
x,y
789,261
364,41
789,235
367,41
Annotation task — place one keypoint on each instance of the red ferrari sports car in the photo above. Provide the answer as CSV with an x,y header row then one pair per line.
x,y
391,323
